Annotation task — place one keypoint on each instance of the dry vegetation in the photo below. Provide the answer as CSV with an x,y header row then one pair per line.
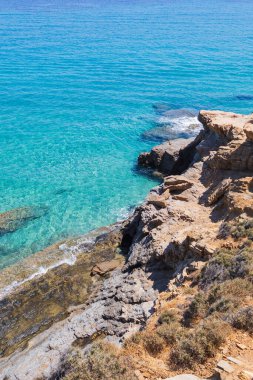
x,y
188,336
103,362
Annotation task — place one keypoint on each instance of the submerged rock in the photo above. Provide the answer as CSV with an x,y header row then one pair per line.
x,y
172,123
12,220
168,239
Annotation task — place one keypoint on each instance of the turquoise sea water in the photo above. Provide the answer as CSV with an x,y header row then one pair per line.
x,y
80,84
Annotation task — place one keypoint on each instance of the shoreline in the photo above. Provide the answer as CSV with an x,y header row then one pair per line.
x,y
35,265
38,264
133,268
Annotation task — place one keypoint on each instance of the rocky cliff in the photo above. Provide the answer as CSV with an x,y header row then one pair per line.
x,y
170,247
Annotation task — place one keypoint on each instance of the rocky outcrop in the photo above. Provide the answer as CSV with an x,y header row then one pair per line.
x,y
119,306
48,292
172,234
165,156
171,157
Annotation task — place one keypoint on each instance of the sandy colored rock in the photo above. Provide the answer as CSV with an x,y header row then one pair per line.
x,y
166,240
225,366
104,267
171,157
248,129
227,125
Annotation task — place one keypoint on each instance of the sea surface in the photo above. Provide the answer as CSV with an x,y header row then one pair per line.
x,y
85,86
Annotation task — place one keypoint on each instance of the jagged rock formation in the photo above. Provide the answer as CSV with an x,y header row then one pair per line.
x,y
173,233
171,157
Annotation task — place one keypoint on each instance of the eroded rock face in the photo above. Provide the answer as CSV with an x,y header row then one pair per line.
x,y
171,234
233,150
248,129
164,157
227,125
171,157
120,305
45,299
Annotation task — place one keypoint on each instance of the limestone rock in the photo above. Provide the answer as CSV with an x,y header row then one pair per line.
x,y
227,125
122,304
177,183
157,200
248,129
218,191
171,157
104,267
225,366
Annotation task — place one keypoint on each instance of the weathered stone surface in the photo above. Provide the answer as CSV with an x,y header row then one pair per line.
x,y
225,366
121,304
35,305
227,125
167,239
164,157
233,147
12,220
172,157
248,129
177,183
104,267
218,191
234,360
183,377
157,200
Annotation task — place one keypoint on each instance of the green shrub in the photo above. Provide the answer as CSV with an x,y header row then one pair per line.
x,y
199,345
228,265
171,333
100,364
242,229
243,319
136,338
168,316
196,309
153,343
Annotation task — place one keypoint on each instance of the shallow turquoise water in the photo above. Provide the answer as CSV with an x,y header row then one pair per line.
x,y
78,84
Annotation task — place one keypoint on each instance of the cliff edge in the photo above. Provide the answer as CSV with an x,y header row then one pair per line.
x,y
183,299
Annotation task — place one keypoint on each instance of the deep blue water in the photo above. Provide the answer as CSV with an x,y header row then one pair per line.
x,y
80,84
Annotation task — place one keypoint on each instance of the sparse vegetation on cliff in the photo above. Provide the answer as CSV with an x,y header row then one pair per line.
x,y
103,362
187,283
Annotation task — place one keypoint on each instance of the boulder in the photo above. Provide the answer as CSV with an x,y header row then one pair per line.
x,y
177,183
172,157
164,157
105,267
157,200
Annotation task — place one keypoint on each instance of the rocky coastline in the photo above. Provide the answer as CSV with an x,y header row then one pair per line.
x,y
123,276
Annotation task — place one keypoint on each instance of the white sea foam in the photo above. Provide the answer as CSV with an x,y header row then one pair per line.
x,y
41,271
181,123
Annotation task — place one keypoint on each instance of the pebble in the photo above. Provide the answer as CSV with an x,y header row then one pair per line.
x,y
225,366
241,346
234,360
